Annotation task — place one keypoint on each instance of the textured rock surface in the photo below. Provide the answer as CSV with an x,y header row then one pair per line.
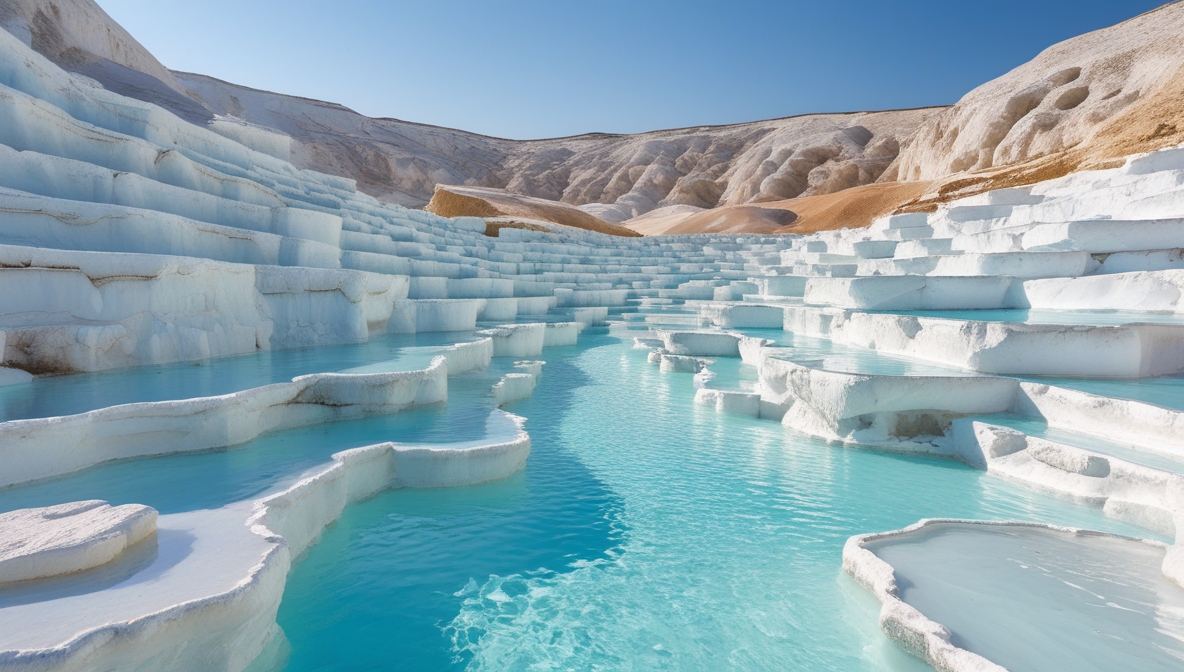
x,y
403,162
39,543
451,201
1080,103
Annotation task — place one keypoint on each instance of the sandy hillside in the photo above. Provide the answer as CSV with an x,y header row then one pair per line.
x,y
852,208
1084,103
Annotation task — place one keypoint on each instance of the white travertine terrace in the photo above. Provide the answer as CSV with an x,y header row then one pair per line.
x,y
186,613
1055,549
1075,278
129,236
55,540
44,447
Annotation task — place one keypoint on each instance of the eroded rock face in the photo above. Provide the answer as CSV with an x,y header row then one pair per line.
x,y
1075,94
628,175
1079,105
66,538
402,162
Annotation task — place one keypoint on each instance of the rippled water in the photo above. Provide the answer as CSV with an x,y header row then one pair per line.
x,y
647,532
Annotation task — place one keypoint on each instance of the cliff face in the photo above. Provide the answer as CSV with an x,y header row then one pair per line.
x,y
1105,94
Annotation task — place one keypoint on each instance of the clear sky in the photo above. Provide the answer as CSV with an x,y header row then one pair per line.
x,y
543,68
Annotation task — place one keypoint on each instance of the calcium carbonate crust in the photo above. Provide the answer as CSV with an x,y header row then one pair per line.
x,y
239,622
904,624
67,538
202,423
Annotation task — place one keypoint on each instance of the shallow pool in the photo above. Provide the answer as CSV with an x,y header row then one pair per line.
x,y
48,396
213,478
1043,600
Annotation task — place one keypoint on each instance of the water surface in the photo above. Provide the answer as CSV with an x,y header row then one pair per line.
x,y
647,532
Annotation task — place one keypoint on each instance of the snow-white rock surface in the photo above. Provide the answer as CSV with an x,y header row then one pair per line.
x,y
1034,598
206,599
208,596
54,540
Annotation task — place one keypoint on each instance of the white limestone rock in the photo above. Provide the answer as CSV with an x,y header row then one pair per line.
x,y
14,376
67,538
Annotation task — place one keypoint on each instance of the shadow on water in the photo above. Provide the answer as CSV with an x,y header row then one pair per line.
x,y
385,577
129,564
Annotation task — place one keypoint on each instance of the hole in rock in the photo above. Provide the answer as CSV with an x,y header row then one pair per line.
x,y
860,135
1065,76
1072,98
1019,106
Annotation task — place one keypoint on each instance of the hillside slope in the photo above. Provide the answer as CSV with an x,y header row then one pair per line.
x,y
1085,103
616,176
1080,104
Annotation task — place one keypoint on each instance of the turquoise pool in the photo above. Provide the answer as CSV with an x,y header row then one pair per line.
x,y
65,395
647,532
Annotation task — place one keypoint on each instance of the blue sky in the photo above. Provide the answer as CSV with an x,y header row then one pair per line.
x,y
531,69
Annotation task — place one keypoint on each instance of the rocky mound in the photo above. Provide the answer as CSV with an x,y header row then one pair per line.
x,y
1084,103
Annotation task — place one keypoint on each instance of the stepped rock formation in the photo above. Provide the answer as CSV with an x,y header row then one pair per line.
x,y
178,265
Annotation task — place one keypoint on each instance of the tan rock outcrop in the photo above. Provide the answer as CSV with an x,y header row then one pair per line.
x,y
450,201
